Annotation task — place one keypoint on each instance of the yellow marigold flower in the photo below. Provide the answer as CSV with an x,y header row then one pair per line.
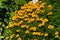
x,y
19,23
27,31
33,14
17,30
7,27
32,19
26,19
40,25
25,15
30,3
50,27
33,28
45,20
39,33
37,18
41,19
56,36
29,13
56,33
11,36
36,33
42,11
22,26
43,23
42,5
17,35
21,11
46,34
35,6
29,21
49,13
11,25
28,10
23,7
50,7
19,38
27,26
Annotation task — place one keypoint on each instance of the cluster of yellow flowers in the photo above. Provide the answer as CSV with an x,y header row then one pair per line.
x,y
29,13
12,36
40,34
56,34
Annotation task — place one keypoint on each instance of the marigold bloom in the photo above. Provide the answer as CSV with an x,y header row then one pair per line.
x,y
27,31
56,33
36,33
17,30
50,27
43,11
49,13
50,7
11,36
19,38
46,34
42,24
7,27
24,26
19,23
41,19
57,36
33,28
45,20
17,35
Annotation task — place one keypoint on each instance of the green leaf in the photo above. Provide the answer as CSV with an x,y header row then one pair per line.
x,y
11,14
2,1
7,32
21,2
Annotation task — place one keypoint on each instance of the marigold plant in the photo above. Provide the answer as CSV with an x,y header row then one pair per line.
x,y
33,22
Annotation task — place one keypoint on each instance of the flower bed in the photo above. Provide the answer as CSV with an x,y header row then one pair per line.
x,y
38,21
